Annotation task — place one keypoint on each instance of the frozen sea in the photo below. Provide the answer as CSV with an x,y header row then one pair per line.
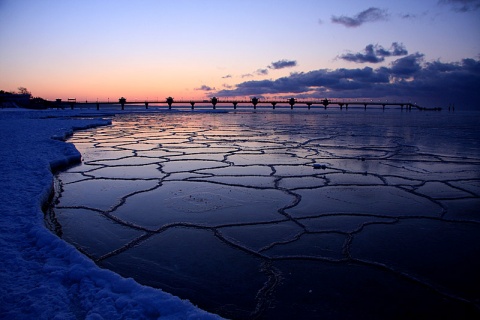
x,y
307,214
385,225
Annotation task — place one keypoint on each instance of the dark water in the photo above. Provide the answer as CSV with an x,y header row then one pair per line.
x,y
229,211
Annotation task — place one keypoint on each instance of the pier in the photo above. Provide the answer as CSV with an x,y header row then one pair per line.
x,y
253,102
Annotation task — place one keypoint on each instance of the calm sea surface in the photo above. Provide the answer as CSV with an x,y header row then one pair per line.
x,y
321,214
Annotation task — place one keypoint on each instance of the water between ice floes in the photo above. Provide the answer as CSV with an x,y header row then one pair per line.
x,y
230,211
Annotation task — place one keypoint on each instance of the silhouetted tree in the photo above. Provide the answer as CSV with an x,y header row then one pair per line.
x,y
23,90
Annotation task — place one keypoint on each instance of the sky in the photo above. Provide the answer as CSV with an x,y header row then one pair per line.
x,y
426,52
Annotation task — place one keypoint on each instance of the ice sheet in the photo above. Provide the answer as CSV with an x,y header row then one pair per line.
x,y
333,194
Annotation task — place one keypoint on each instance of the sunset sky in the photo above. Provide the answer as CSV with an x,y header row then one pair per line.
x,y
425,51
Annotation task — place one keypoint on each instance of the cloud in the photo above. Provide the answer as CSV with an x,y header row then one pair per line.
x,y
368,55
304,82
408,16
261,72
462,5
407,78
375,53
205,88
227,76
413,16
283,64
408,65
398,49
274,65
370,15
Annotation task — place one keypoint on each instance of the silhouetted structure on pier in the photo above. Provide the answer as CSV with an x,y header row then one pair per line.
x,y
253,101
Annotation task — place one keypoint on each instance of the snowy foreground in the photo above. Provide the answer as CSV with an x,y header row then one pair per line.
x,y
41,276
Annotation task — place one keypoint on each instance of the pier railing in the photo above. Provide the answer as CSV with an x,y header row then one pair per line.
x,y
254,102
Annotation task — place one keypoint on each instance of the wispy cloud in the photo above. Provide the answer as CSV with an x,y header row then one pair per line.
x,y
227,76
413,16
370,15
408,16
375,53
433,83
205,88
283,64
461,5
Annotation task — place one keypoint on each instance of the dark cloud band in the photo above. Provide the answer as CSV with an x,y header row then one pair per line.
x,y
432,83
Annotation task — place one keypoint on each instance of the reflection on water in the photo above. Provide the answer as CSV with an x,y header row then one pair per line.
x,y
229,211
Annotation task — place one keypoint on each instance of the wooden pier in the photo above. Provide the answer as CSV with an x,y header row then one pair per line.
x,y
254,102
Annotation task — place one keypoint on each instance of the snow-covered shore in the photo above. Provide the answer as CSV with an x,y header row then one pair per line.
x,y
41,276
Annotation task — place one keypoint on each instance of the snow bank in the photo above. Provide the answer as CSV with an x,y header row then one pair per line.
x,y
41,276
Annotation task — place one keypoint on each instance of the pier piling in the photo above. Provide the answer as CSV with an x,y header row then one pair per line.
x,y
254,102
214,102
291,102
122,101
